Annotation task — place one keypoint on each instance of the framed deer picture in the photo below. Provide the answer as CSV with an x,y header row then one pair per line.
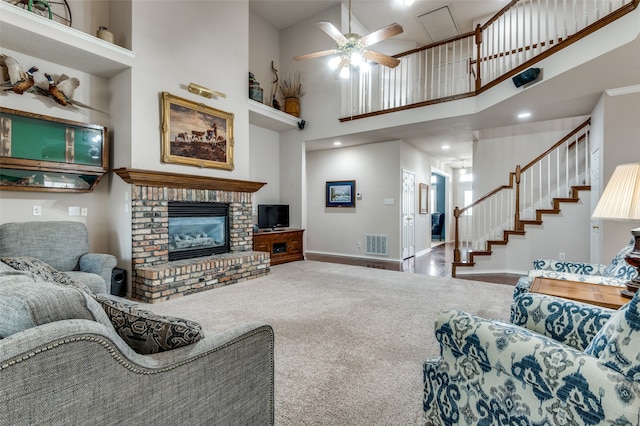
x,y
195,134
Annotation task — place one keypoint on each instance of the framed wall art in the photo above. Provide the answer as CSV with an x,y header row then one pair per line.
x,y
341,193
424,198
195,134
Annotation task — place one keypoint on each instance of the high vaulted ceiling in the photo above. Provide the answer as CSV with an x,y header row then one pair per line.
x,y
548,100
375,14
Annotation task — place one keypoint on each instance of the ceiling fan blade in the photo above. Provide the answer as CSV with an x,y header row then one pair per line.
x,y
315,55
331,31
382,34
381,59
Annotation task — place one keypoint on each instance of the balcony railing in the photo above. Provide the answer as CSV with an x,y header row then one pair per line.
x,y
522,33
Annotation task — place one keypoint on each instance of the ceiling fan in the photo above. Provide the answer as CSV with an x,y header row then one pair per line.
x,y
353,49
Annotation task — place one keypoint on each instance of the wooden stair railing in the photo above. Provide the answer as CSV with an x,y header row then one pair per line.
x,y
554,177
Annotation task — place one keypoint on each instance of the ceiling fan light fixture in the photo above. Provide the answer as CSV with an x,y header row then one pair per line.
x,y
356,58
334,62
352,49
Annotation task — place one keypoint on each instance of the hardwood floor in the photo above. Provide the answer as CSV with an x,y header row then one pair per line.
x,y
437,263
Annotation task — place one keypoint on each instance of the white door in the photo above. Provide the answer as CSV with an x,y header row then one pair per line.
x,y
408,211
595,196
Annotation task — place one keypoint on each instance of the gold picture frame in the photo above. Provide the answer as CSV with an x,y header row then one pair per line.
x,y
423,198
195,134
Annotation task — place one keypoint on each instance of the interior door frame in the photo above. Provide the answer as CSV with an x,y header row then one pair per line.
x,y
407,215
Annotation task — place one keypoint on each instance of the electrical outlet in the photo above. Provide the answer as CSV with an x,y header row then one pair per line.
x,y
37,210
84,211
562,256
74,211
358,244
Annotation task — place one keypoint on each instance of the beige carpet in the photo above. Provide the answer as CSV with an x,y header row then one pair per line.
x,y
349,341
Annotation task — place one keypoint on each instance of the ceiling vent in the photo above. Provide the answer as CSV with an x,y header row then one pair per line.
x,y
439,24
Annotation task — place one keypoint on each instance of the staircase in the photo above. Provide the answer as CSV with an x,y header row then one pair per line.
x,y
539,188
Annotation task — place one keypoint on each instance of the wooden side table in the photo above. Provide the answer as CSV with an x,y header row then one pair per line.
x,y
595,294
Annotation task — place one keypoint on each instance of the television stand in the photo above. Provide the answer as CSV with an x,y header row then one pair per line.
x,y
284,245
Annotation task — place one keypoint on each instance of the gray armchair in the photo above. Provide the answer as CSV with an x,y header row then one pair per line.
x,y
64,246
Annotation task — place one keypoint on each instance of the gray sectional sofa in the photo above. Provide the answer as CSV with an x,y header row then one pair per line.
x,y
67,358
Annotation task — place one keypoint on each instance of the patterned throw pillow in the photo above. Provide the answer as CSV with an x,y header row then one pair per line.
x,y
601,339
619,268
622,349
146,332
42,271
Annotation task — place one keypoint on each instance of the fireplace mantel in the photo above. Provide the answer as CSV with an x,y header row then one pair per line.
x,y
175,180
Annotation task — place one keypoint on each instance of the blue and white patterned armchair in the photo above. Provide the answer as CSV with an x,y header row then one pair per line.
x,y
559,363
616,273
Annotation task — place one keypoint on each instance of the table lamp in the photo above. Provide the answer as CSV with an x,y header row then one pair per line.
x,y
621,201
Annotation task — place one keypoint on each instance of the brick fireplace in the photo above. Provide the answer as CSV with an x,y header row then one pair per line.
x,y
154,277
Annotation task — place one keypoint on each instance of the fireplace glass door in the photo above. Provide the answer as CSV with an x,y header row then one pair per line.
x,y
198,229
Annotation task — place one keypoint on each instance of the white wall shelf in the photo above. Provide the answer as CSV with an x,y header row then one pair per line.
x,y
270,118
33,35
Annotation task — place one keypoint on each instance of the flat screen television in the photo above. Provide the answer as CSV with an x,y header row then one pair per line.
x,y
273,216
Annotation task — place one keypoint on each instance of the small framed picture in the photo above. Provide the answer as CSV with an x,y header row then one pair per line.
x,y
341,193
424,198
195,134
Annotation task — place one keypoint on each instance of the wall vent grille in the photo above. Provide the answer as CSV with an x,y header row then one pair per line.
x,y
375,244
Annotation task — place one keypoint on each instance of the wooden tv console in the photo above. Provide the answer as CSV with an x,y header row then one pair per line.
x,y
285,245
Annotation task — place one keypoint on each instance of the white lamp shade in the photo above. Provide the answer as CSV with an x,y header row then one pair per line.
x,y
621,198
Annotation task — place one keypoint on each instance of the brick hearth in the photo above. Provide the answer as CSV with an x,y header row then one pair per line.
x,y
155,278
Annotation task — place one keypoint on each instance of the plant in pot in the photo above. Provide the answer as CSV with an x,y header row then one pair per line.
x,y
291,90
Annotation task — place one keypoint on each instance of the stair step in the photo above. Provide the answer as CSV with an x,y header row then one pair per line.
x,y
529,222
497,242
575,189
463,263
567,200
540,212
515,232
455,265
480,253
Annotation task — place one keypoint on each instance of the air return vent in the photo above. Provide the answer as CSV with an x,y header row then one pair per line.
x,y
375,244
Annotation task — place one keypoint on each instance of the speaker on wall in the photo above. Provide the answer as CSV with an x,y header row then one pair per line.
x,y
118,282
526,76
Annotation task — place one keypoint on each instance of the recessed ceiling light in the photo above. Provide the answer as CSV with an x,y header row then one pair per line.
x,y
337,143
445,147
524,115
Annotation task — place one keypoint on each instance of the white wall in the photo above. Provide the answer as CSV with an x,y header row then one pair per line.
x,y
419,163
620,141
264,47
181,42
497,151
265,164
376,170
